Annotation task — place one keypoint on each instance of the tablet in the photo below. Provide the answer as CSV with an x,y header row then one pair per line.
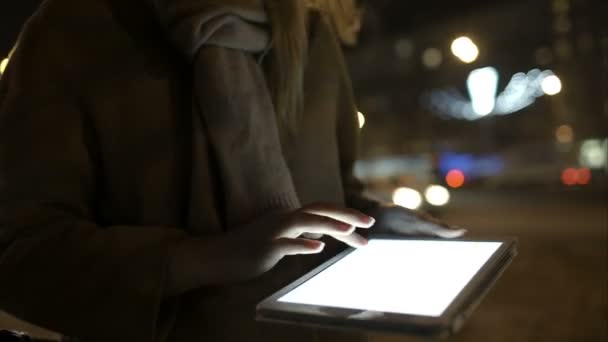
x,y
423,287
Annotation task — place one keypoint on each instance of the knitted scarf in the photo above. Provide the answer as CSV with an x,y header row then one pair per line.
x,y
222,39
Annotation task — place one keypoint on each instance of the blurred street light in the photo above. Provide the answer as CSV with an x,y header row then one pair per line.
x,y
572,176
569,176
522,91
432,58
551,85
483,84
408,198
583,176
455,178
361,119
437,195
465,49
594,154
564,134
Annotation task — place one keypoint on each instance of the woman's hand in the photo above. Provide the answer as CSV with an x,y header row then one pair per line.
x,y
248,251
393,219
258,247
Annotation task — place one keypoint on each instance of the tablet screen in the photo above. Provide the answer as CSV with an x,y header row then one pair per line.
x,y
416,277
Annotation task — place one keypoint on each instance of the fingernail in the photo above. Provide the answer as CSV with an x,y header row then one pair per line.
x,y
345,227
362,241
457,233
321,246
370,221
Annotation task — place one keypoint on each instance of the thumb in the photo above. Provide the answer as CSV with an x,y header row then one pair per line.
x,y
445,232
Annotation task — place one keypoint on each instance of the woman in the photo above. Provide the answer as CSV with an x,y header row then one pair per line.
x,y
117,212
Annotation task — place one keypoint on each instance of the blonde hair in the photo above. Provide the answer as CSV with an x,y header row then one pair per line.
x,y
290,45
288,55
345,15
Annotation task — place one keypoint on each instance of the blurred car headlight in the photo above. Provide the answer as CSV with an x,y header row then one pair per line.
x,y
437,195
408,198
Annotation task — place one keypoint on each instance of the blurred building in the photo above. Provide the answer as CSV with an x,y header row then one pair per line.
x,y
391,77
413,89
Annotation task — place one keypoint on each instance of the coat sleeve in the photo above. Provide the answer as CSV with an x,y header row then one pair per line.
x,y
58,267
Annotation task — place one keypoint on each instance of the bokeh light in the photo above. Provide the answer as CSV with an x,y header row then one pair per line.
x,y
482,84
437,195
583,176
455,178
465,49
407,197
361,119
551,85
564,134
570,176
432,58
594,153
520,92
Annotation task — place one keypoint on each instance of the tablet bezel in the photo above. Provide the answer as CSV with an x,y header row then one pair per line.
x,y
451,320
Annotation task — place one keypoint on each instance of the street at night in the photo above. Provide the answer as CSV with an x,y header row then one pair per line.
x,y
556,288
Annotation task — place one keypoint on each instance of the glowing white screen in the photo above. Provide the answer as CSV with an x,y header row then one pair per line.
x,y
400,276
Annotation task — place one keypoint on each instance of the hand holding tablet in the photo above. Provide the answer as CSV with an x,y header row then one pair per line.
x,y
397,220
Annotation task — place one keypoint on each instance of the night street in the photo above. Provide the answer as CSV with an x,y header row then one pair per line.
x,y
556,289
